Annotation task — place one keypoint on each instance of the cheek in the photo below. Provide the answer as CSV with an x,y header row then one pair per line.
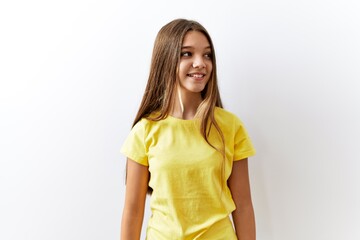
x,y
209,66
209,69
183,69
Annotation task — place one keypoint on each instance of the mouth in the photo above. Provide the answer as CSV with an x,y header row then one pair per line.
x,y
196,75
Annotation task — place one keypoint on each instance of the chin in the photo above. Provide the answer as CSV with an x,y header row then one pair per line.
x,y
198,90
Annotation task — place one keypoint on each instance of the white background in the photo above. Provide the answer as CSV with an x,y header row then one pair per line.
x,y
72,76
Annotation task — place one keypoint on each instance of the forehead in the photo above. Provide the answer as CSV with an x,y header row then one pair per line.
x,y
195,39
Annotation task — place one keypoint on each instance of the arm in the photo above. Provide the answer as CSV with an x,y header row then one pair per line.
x,y
136,187
243,215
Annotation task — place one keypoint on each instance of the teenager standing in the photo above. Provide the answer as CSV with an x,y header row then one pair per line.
x,y
185,149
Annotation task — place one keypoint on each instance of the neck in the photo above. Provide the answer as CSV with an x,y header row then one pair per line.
x,y
190,102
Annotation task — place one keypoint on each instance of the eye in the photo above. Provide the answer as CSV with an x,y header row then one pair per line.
x,y
208,55
186,54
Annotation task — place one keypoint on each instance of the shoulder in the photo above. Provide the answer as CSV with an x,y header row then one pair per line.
x,y
225,115
228,121
145,124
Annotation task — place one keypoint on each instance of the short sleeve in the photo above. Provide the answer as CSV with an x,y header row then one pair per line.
x,y
243,147
134,146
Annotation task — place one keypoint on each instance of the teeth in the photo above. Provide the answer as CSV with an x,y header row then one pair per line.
x,y
196,75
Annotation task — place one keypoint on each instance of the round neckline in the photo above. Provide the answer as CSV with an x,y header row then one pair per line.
x,y
182,120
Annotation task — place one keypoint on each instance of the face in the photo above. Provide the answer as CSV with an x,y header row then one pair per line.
x,y
195,65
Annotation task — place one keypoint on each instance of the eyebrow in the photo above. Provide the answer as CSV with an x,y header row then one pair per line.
x,y
193,47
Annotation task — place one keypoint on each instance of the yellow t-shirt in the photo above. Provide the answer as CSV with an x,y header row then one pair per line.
x,y
190,198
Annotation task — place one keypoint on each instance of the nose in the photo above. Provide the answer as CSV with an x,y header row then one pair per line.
x,y
199,62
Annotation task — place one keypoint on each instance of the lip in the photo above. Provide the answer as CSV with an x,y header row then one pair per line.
x,y
196,75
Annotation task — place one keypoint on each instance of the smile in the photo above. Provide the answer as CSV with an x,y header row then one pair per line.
x,y
196,75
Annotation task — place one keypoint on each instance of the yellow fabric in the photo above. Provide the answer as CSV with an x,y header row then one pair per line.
x,y
190,198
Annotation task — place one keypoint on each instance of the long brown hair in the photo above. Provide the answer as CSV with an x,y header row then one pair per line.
x,y
162,79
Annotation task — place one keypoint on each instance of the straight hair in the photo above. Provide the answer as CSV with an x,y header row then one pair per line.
x,y
162,81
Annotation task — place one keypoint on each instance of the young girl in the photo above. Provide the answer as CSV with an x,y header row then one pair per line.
x,y
185,149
